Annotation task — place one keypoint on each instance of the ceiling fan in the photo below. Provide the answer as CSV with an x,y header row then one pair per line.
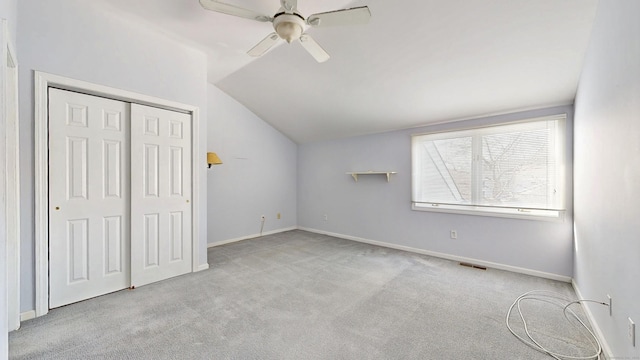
x,y
289,25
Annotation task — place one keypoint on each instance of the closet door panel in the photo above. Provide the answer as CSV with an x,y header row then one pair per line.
x,y
89,199
161,194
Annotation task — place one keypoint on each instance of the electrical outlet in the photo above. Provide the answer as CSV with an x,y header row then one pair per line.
x,y
278,216
326,217
632,332
610,305
454,234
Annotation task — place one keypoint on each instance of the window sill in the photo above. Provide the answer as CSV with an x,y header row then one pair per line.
x,y
525,214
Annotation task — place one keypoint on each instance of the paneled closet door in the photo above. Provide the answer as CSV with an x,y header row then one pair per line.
x,y
161,194
89,202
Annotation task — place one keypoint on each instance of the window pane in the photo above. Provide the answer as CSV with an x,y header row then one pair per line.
x,y
446,170
518,169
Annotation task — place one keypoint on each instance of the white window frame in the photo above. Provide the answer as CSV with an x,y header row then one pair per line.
x,y
500,211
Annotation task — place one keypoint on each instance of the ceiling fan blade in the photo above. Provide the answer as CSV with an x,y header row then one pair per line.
x,y
289,6
234,10
353,16
313,48
264,45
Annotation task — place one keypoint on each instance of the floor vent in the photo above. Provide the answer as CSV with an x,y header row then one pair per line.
x,y
473,266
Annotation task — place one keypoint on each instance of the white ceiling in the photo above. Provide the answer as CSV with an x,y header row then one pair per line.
x,y
416,62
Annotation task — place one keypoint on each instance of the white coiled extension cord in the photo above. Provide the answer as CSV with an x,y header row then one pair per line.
x,y
564,303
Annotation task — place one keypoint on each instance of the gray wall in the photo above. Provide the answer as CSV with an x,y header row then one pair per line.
x,y
8,11
3,238
257,177
75,39
607,173
376,210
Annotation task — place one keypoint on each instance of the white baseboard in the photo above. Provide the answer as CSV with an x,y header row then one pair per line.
x,y
27,315
204,266
488,264
229,241
594,325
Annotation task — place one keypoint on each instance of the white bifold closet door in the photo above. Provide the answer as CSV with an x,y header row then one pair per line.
x,y
89,202
119,195
160,194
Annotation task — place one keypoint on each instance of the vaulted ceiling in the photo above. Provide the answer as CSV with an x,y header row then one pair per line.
x,y
417,61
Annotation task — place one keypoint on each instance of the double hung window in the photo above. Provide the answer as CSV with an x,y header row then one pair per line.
x,y
514,169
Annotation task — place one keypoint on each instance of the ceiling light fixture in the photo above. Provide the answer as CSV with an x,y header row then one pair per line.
x,y
289,26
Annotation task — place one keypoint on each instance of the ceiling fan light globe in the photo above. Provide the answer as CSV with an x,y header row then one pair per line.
x,y
289,26
289,31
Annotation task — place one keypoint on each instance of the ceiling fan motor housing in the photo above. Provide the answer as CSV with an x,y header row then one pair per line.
x,y
288,26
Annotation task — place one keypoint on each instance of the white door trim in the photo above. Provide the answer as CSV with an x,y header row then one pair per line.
x,y
12,151
42,82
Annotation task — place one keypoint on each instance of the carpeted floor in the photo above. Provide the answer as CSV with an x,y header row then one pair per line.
x,y
299,295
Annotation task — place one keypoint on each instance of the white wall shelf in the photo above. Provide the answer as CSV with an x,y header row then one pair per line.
x,y
355,174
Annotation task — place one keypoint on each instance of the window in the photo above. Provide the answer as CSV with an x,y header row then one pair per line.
x,y
515,169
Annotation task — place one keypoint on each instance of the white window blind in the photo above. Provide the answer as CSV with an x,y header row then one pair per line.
x,y
516,168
